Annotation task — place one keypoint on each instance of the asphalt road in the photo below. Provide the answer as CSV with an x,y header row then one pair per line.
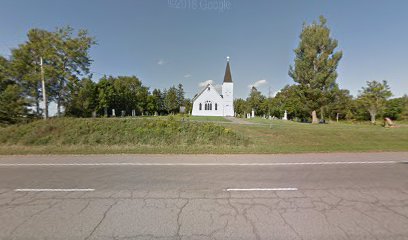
x,y
305,196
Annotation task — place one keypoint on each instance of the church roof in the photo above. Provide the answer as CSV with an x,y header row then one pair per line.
x,y
208,85
227,76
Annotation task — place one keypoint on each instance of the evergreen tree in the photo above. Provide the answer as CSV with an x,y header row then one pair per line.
x,y
315,67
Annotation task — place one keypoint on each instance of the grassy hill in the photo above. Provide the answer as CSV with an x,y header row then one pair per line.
x,y
196,135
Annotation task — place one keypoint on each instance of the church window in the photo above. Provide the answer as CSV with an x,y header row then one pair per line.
x,y
215,106
208,105
200,106
208,88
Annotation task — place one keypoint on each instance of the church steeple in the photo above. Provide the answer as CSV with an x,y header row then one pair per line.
x,y
227,76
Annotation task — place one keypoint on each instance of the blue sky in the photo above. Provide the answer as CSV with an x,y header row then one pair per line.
x,y
164,45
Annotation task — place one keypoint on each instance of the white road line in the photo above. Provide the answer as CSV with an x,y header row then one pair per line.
x,y
260,189
193,164
54,190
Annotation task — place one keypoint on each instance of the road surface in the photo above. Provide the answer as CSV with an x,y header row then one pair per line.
x,y
302,196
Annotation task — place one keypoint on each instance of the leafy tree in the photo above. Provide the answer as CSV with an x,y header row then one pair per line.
x,y
159,100
13,105
289,99
84,100
123,93
65,59
341,104
315,67
394,108
241,107
255,100
26,67
373,97
71,61
170,100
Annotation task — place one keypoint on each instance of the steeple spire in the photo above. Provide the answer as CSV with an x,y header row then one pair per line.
x,y
227,76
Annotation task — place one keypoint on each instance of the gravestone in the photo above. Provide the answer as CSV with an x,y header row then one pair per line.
x,y
253,113
182,109
133,113
388,122
285,116
123,113
113,113
94,114
314,117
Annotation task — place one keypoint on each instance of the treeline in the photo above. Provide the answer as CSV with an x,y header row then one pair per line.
x,y
342,105
123,95
61,59
315,92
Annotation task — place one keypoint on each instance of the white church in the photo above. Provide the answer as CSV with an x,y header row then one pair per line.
x,y
211,103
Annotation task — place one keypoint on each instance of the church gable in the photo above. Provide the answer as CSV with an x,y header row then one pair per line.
x,y
208,102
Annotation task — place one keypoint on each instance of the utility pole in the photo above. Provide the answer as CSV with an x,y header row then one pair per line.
x,y
43,90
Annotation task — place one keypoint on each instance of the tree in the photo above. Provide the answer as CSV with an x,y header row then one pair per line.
x,y
255,100
180,95
241,107
83,101
71,61
170,100
13,105
315,65
374,97
289,99
396,108
341,103
123,93
65,60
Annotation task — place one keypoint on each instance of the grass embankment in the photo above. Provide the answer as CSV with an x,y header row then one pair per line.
x,y
172,135
286,136
138,135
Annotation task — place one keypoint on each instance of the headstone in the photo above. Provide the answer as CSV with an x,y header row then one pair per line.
x,y
388,122
285,116
94,114
182,109
248,115
314,117
113,113
155,114
133,113
105,112
253,113
123,113
270,118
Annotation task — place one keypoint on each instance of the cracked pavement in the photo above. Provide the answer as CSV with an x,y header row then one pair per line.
x,y
341,201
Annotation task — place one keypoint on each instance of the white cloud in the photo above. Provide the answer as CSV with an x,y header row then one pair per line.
x,y
258,83
274,93
188,75
205,83
161,62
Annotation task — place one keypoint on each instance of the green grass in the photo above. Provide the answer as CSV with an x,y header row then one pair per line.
x,y
173,135
208,119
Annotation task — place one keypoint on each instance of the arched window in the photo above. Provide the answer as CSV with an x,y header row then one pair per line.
x,y
208,105
200,106
215,105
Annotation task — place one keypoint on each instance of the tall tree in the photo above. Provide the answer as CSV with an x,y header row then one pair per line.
x,y
374,97
170,100
315,67
65,59
72,60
